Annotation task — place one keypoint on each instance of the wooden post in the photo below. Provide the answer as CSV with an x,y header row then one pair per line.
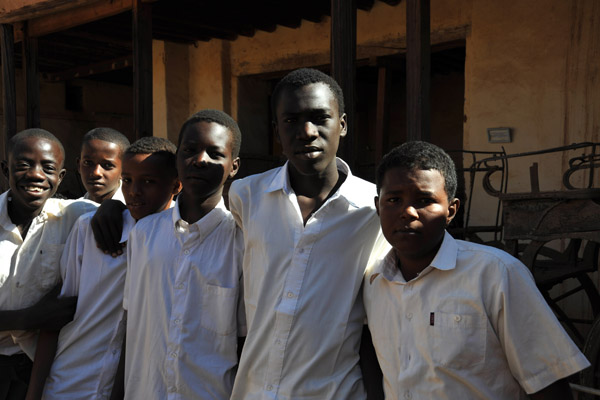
x,y
142,68
9,94
418,67
32,83
382,113
343,56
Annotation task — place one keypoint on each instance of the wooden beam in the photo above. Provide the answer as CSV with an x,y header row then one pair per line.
x,y
343,58
77,16
142,68
9,94
418,69
382,113
20,10
91,69
32,82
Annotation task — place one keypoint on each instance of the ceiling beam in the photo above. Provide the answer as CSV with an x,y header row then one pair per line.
x,y
74,17
92,69
22,10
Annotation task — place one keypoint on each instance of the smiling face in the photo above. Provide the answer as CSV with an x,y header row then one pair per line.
x,y
100,168
309,127
414,211
205,160
148,184
34,171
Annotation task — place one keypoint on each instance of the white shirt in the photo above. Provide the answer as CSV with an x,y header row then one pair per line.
x,y
89,347
182,293
471,325
30,268
302,288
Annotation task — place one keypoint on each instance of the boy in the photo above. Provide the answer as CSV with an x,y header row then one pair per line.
x,y
33,231
86,353
184,276
453,319
100,164
309,228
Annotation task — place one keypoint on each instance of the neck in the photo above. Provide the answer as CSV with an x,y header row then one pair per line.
x,y
193,208
22,217
317,185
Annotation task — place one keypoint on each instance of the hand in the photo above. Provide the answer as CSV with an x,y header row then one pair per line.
x,y
50,312
107,225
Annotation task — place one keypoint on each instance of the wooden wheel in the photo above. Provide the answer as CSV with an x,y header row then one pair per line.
x,y
551,267
590,377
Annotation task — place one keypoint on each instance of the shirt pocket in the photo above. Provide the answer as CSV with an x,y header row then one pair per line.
x,y
49,256
458,339
219,309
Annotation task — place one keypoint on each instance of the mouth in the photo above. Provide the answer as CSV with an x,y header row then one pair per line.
x,y
95,184
309,152
406,231
35,190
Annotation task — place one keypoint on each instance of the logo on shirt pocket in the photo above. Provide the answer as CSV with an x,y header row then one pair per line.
x,y
459,340
219,309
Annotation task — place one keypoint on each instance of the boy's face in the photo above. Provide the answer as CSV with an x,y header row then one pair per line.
x,y
34,171
204,159
100,168
148,185
309,127
414,210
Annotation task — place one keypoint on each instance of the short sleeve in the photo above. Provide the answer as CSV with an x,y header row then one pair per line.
x,y
538,350
72,256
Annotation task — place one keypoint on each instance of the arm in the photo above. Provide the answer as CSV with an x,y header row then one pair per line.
x,y
118,390
559,390
107,225
44,357
372,375
49,313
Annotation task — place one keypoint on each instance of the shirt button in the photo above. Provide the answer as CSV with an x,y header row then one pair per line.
x,y
174,355
457,318
186,252
301,251
269,388
177,321
180,286
278,341
290,294
407,395
409,315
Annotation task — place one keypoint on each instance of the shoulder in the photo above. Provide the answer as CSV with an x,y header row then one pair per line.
x,y
359,191
69,209
153,222
254,182
490,262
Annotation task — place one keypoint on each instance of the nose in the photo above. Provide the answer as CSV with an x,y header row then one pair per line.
x,y
36,172
410,212
135,189
201,158
96,171
309,131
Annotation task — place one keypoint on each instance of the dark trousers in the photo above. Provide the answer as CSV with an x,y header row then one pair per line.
x,y
14,376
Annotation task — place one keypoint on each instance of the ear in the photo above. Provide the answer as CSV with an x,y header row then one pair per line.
x,y
276,131
78,162
452,210
235,166
177,186
344,125
4,165
376,204
61,175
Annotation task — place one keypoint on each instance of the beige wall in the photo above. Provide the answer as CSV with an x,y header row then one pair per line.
x,y
531,66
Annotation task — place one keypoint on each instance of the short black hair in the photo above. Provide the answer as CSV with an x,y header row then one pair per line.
x,y
36,133
156,145
221,118
306,76
107,135
418,155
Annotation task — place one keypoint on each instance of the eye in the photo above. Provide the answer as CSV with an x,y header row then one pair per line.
x,y
148,181
126,180
322,118
51,168
392,199
108,166
21,165
216,154
290,120
86,163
